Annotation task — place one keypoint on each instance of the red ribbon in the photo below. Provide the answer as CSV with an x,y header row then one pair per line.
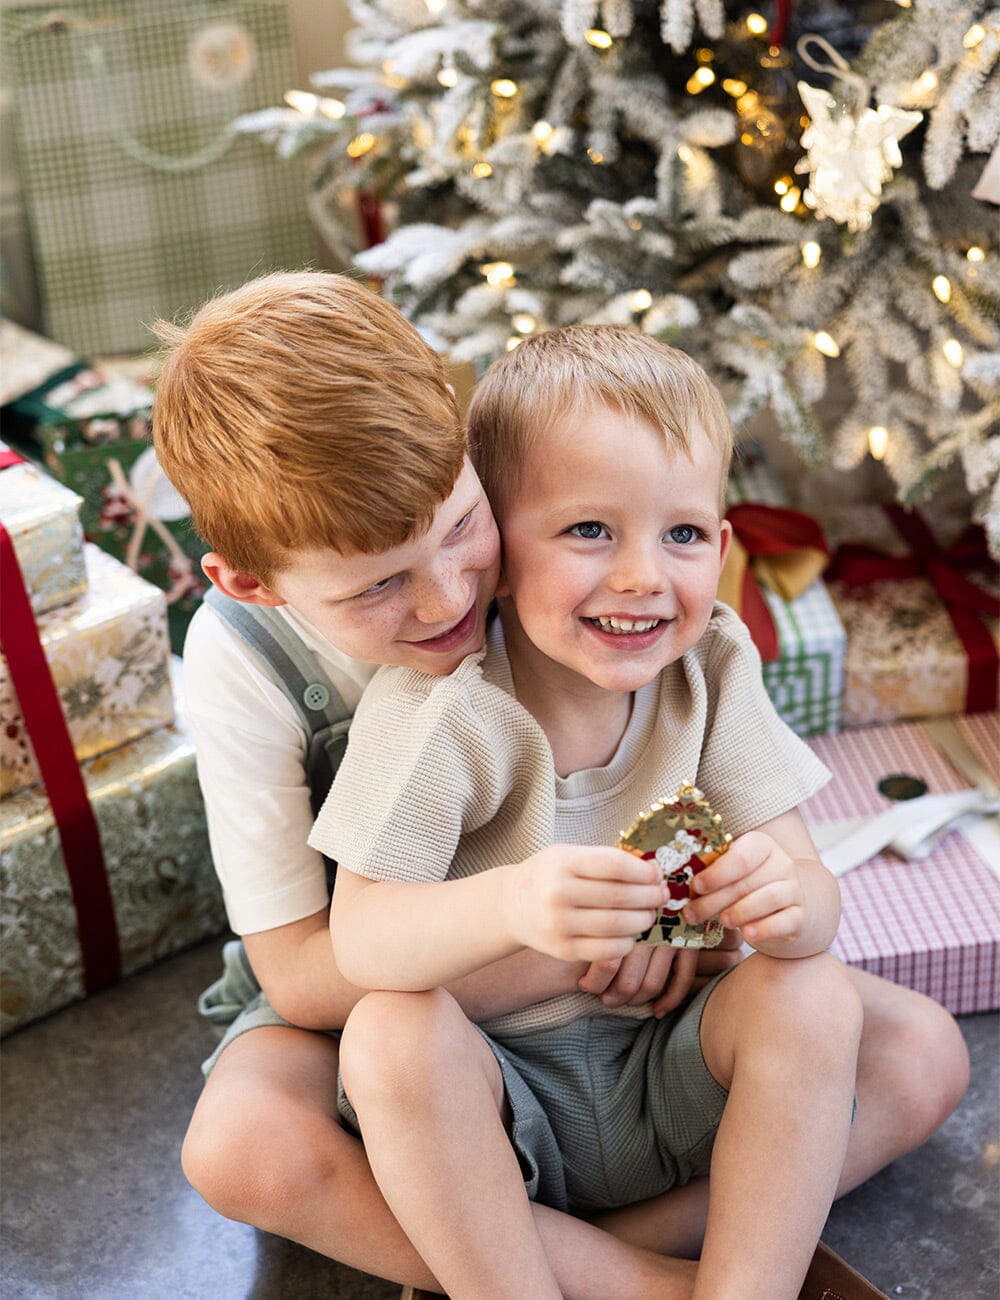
x,y
75,822
768,530
9,457
857,565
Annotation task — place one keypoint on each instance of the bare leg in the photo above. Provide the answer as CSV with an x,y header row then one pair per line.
x,y
900,1104
430,1100
783,1037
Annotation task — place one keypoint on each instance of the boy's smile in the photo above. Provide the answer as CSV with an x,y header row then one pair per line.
x,y
612,549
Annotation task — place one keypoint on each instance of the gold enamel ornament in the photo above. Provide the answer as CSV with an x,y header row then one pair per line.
x,y
683,835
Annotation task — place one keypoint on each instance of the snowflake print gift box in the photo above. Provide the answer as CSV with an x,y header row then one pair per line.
x,y
110,658
43,519
165,895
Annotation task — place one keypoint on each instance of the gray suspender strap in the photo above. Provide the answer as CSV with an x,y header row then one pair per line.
x,y
316,700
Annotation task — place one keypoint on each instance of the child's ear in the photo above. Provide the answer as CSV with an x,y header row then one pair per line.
x,y
236,584
725,537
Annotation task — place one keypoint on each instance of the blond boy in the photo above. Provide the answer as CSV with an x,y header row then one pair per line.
x,y
609,677
314,436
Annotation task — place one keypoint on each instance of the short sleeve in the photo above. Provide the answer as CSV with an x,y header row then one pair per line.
x,y
753,763
422,768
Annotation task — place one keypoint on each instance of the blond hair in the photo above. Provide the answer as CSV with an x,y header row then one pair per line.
x,y
547,377
302,411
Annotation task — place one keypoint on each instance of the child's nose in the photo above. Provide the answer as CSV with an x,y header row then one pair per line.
x,y
442,596
638,570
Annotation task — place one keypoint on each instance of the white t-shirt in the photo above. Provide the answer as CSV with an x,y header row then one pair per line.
x,y
251,750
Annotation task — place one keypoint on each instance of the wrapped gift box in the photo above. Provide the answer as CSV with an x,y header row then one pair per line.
x,y
806,681
165,893
109,656
43,520
91,429
905,658
27,360
933,925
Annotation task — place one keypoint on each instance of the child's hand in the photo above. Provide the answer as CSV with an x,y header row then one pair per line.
x,y
581,903
656,974
756,887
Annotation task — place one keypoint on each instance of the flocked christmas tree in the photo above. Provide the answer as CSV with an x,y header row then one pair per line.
x,y
767,190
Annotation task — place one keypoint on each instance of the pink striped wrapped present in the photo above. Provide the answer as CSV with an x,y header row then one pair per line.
x,y
933,925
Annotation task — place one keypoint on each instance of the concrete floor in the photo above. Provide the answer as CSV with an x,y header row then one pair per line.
x,y
94,1206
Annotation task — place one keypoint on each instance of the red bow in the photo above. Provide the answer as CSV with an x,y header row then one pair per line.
x,y
783,549
857,565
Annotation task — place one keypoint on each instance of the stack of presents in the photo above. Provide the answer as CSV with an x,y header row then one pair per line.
x,y
105,858
879,639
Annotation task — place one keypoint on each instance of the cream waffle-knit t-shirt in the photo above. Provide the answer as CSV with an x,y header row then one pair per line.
x,y
448,776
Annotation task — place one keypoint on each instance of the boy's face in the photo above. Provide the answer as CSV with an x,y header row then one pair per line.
x,y
612,548
422,604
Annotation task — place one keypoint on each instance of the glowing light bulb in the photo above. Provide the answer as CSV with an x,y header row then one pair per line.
x,y
641,300
685,153
435,6
497,273
942,288
542,131
303,101
734,87
595,156
703,75
361,144
448,77
523,322
781,186
878,441
481,170
748,102
756,24
974,36
790,201
975,254
513,342
504,88
953,353
811,253
927,82
634,223
824,343
599,39
332,108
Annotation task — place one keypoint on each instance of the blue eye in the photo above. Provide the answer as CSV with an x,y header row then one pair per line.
x,y
463,521
590,530
374,590
685,534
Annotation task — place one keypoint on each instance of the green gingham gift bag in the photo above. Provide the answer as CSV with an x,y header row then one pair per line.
x,y
142,199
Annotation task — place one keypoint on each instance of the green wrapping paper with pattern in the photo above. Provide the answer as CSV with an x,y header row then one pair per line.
x,y
109,656
806,682
166,896
43,520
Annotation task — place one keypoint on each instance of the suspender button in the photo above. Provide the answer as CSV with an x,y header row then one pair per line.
x,y
316,696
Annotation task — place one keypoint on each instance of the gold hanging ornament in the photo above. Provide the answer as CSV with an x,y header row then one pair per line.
x,y
851,148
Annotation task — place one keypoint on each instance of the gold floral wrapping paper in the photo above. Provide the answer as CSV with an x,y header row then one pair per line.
x,y
109,655
166,896
43,520
904,658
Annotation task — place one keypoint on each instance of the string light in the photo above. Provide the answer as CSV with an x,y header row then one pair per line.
x,y
305,102
435,6
504,88
513,342
790,201
878,441
497,273
811,253
448,77
595,156
523,322
361,144
974,36
699,79
927,82
782,185
732,86
953,353
481,170
824,343
633,222
542,131
756,24
748,102
704,56
641,300
942,288
975,254
599,39
685,154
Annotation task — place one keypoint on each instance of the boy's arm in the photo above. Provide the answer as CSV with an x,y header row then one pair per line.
x,y
573,903
772,886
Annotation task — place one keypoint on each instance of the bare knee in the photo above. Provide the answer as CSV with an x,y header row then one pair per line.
x,y
814,996
398,1043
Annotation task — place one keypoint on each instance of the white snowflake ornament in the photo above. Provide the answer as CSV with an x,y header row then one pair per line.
x,y
849,157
